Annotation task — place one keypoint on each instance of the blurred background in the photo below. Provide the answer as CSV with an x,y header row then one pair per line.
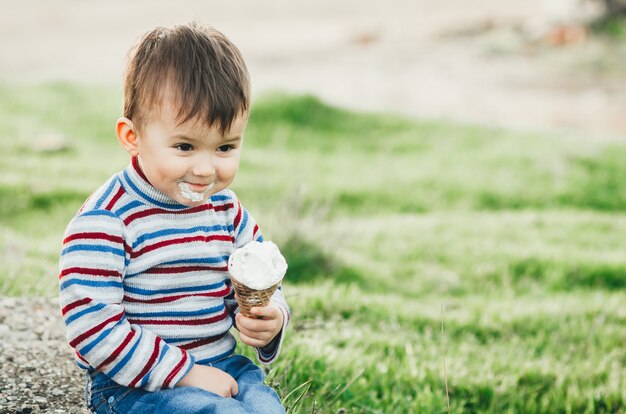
x,y
531,64
445,178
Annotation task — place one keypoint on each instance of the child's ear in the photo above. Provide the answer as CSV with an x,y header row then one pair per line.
x,y
127,136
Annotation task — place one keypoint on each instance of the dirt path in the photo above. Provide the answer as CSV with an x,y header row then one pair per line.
x,y
375,55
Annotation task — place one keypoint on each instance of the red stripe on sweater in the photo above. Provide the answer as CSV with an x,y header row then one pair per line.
x,y
223,207
117,351
254,232
89,271
149,364
197,344
135,164
95,329
93,236
115,198
185,269
155,211
81,357
75,304
176,369
237,217
184,322
166,299
164,243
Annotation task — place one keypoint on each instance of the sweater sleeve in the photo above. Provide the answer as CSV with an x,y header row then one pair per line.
x,y
269,353
92,267
245,231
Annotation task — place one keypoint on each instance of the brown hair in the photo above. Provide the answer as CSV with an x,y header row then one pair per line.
x,y
202,69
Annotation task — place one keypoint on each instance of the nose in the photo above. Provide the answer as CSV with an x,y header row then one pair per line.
x,y
203,167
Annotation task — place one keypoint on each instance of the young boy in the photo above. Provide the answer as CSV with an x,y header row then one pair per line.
x,y
144,284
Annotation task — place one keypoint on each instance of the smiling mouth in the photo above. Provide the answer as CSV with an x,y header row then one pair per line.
x,y
200,188
194,192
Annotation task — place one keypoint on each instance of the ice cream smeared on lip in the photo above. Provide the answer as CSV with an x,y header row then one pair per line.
x,y
257,265
189,194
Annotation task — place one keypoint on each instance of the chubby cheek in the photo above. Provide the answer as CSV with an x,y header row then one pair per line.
x,y
228,171
165,180
170,170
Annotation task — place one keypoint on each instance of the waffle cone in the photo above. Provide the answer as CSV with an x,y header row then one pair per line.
x,y
249,298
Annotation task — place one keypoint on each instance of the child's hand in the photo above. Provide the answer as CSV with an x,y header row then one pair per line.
x,y
260,330
210,379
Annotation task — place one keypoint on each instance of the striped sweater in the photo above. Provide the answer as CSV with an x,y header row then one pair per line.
x,y
144,285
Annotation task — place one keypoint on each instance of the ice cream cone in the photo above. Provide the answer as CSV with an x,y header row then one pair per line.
x,y
256,271
249,298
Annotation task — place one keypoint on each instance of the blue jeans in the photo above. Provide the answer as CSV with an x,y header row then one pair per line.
x,y
108,397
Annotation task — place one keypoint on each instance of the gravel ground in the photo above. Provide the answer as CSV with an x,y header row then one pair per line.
x,y
38,373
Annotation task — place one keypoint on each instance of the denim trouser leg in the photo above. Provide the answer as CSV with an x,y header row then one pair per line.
x,y
254,396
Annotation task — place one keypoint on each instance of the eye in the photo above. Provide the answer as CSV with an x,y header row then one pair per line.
x,y
184,147
225,148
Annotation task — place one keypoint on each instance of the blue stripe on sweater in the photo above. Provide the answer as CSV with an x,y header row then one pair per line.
x,y
180,340
217,357
150,199
77,315
171,232
165,291
220,197
106,194
81,365
146,378
200,312
90,283
98,213
244,222
129,206
203,260
92,248
126,358
85,350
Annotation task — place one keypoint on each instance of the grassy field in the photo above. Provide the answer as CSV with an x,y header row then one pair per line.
x,y
409,243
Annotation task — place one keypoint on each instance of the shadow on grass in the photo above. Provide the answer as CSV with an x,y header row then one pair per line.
x,y
308,263
16,201
598,183
567,276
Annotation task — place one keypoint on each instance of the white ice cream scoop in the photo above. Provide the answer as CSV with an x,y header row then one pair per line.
x,y
257,265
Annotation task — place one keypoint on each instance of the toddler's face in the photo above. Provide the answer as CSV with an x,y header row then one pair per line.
x,y
189,162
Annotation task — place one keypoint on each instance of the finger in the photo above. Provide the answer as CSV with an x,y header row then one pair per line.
x,y
268,312
260,336
252,325
271,315
251,341
234,388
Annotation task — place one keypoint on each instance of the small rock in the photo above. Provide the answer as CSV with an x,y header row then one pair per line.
x,y
27,409
40,400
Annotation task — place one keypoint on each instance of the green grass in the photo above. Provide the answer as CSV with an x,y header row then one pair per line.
x,y
514,242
